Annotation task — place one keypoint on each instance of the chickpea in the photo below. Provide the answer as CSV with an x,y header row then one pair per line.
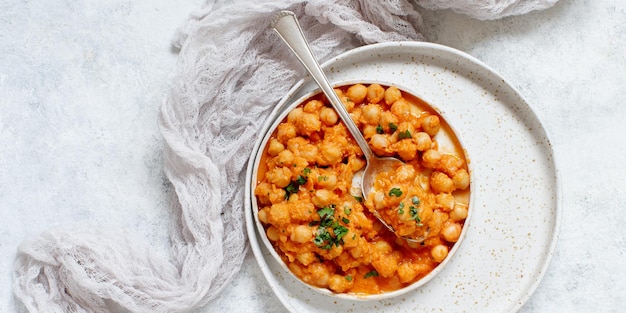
x,y
285,158
451,232
392,94
278,195
273,233
275,147
338,283
461,179
349,104
430,158
285,132
294,115
375,93
309,152
458,213
439,253
329,154
356,163
319,274
380,143
322,198
369,131
431,125
279,176
371,114
386,266
357,93
401,109
405,173
326,181
386,119
328,116
450,163
379,200
382,247
445,201
263,191
279,214
440,182
423,141
407,272
306,258
263,216
301,234
308,123
313,106
407,149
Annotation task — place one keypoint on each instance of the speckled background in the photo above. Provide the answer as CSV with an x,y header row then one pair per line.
x,y
81,84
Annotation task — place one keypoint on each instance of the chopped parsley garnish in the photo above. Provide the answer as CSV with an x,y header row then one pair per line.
x,y
340,231
291,189
401,208
346,210
372,273
404,135
396,192
326,212
322,178
415,200
379,129
301,180
357,198
415,216
345,220
329,232
294,186
393,127
348,277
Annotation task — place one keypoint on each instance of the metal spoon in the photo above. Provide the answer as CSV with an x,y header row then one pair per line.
x,y
286,25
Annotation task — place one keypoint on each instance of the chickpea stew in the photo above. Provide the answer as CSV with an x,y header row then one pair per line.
x,y
319,223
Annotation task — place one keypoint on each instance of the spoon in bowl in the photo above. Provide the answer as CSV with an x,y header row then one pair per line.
x,y
286,25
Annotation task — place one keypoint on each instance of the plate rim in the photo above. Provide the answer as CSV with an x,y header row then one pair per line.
x,y
516,304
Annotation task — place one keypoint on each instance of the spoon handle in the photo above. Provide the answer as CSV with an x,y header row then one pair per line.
x,y
288,28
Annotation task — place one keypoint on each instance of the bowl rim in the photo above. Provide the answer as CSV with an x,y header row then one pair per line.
x,y
277,116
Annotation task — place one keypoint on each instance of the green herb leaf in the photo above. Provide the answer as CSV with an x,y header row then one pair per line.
x,y
415,200
291,189
348,277
401,208
379,129
397,192
357,198
346,210
371,274
306,171
393,127
326,212
340,231
415,215
345,220
404,135
301,180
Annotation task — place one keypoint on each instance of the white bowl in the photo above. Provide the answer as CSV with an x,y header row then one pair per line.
x,y
277,117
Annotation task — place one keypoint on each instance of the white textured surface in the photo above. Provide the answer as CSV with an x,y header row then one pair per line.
x,y
81,83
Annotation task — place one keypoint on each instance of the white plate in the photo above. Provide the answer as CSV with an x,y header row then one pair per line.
x,y
515,222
